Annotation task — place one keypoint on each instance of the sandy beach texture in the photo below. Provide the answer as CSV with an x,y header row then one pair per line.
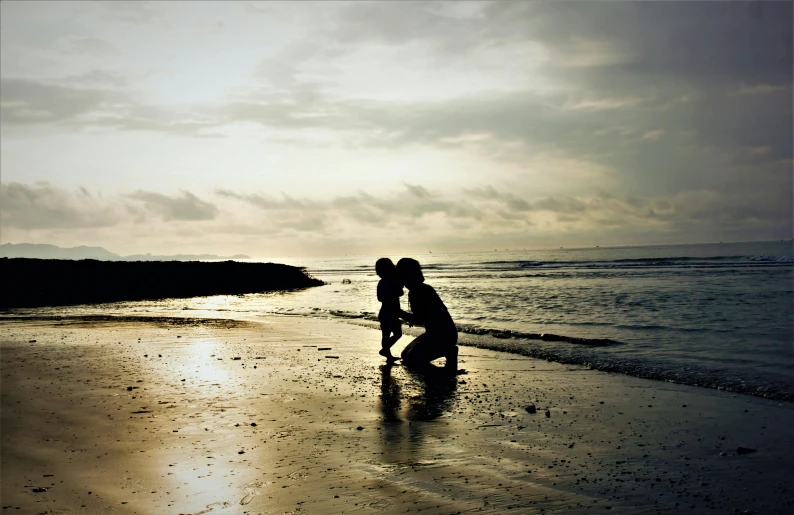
x,y
299,416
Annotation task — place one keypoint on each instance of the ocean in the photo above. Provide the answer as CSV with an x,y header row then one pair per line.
x,y
713,315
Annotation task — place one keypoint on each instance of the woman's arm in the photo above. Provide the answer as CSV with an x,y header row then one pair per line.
x,y
418,304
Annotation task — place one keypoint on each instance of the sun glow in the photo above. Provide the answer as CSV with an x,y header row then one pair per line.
x,y
204,363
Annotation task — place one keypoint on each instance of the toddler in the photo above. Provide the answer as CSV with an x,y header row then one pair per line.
x,y
389,293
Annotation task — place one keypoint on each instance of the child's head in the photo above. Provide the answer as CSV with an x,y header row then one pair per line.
x,y
409,272
384,268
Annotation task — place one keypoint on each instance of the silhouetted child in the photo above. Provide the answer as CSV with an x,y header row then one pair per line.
x,y
389,293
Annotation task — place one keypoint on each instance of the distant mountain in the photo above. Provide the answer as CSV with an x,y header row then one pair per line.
x,y
32,250
42,251
182,257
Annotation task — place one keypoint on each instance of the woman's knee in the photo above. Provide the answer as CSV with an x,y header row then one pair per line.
x,y
406,353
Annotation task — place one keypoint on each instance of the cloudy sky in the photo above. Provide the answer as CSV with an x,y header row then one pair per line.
x,y
297,128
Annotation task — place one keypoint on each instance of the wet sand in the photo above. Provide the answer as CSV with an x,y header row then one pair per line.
x,y
299,415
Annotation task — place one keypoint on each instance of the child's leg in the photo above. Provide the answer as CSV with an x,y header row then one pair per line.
x,y
397,334
384,339
385,349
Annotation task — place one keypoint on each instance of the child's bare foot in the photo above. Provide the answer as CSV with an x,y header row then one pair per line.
x,y
386,353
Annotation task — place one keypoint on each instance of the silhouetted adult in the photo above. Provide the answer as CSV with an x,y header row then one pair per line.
x,y
441,336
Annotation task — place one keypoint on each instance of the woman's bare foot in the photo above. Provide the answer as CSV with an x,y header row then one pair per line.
x,y
452,359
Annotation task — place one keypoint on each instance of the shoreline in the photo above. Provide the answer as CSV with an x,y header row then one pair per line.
x,y
577,352
162,418
584,355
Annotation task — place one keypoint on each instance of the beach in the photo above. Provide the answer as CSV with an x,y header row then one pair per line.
x,y
300,415
708,315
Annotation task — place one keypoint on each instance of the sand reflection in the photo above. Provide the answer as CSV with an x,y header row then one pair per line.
x,y
203,364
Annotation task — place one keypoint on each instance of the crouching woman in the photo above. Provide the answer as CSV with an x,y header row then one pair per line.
x,y
440,338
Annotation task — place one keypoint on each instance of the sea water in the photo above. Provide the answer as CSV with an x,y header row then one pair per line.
x,y
718,315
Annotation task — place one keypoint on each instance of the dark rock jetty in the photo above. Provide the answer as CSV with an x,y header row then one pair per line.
x,y
54,282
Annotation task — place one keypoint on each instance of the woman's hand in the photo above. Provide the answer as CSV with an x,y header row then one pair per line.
x,y
408,317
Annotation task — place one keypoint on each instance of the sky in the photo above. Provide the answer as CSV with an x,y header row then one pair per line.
x,y
324,128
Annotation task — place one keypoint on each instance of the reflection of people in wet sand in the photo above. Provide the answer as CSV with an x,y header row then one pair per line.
x,y
436,394
441,336
389,395
389,293
430,395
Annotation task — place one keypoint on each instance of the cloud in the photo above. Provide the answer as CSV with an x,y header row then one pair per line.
x,y
675,212
488,217
580,37
408,206
519,125
681,111
758,43
492,210
185,207
286,212
24,101
270,203
137,11
93,47
653,134
612,76
418,191
470,218
511,202
411,204
94,100
563,205
97,79
43,206
396,23
761,89
627,48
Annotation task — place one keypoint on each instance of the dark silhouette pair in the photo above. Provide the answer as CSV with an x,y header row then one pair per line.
x,y
427,309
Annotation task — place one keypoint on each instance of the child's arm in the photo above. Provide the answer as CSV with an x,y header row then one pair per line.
x,y
408,317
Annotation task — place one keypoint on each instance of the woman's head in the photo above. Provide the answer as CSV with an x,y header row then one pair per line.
x,y
384,268
409,272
